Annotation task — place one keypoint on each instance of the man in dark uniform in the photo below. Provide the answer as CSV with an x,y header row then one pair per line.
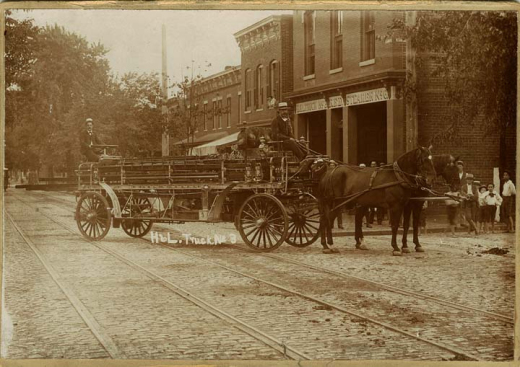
x,y
282,130
87,138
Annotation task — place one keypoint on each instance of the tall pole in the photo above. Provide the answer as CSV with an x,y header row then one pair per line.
x,y
164,92
412,137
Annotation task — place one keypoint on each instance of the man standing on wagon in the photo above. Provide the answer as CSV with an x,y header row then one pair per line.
x,y
282,130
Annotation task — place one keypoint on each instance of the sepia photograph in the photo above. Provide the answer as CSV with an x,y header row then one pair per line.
x,y
298,184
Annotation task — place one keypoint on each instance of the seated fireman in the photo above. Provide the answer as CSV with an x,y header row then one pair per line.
x,y
88,138
282,130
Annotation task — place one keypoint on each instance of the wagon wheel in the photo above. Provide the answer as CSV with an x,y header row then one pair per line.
x,y
263,222
135,227
304,221
93,216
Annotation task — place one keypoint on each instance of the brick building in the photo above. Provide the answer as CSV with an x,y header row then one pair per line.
x,y
478,148
346,85
217,108
266,63
344,79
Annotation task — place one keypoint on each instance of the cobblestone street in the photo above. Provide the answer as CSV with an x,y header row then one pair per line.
x,y
124,297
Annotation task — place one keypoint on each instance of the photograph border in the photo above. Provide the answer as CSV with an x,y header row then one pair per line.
x,y
259,5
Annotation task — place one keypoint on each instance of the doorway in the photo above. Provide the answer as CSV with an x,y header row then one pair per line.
x,y
371,133
316,127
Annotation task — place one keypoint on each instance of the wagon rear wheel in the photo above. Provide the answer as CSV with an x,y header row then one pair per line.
x,y
304,221
263,222
93,216
133,226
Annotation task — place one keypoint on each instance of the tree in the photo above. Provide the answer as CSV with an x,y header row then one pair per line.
x,y
53,77
135,117
475,53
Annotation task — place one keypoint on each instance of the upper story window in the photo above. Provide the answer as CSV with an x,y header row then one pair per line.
x,y
309,25
336,39
259,87
228,110
248,89
368,36
204,116
214,115
219,111
273,89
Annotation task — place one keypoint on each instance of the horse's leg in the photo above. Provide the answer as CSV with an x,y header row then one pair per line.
x,y
408,208
395,215
416,218
323,226
330,241
360,213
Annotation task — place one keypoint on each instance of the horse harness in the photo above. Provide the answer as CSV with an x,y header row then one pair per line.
x,y
399,174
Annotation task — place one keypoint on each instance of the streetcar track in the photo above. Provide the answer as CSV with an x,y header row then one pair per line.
x,y
101,335
268,340
456,351
390,288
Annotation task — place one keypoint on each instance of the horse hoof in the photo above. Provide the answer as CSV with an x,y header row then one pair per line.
x,y
327,251
419,249
361,247
405,250
334,250
397,253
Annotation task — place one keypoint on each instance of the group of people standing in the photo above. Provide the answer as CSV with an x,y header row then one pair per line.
x,y
478,205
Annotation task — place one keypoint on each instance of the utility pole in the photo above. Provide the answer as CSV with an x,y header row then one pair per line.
x,y
411,76
164,92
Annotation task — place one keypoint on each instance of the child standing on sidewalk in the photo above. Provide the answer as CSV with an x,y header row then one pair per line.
x,y
492,200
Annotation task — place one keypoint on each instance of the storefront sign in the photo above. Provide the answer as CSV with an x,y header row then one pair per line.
x,y
336,101
369,96
310,106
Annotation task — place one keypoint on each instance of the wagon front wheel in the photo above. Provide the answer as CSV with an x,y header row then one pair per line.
x,y
263,222
93,216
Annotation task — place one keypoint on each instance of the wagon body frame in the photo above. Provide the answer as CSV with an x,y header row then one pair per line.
x,y
266,197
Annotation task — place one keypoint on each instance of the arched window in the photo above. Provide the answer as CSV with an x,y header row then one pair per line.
x,y
259,87
248,87
273,88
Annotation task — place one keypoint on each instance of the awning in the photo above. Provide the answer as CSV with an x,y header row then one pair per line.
x,y
201,139
211,147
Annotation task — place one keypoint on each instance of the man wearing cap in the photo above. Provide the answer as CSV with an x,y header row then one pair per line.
x,y
282,130
88,138
470,204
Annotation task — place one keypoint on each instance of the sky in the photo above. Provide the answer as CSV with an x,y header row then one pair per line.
x,y
134,36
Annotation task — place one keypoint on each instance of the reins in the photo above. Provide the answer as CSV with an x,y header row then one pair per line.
x,y
399,174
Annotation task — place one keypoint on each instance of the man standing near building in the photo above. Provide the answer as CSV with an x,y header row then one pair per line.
x,y
470,204
88,138
508,195
282,130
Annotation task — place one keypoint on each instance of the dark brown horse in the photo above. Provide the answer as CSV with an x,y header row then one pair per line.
x,y
444,165
389,187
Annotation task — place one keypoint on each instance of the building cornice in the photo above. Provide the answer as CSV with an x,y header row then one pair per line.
x,y
260,34
384,76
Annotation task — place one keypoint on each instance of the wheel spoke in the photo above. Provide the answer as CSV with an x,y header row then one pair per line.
x,y
254,237
247,234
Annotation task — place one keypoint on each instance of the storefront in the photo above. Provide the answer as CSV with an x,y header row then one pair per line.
x,y
353,126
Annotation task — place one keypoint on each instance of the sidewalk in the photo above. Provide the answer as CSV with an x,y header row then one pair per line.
x,y
435,224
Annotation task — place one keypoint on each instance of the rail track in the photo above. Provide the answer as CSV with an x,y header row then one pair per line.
x,y
458,353
345,275
103,336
